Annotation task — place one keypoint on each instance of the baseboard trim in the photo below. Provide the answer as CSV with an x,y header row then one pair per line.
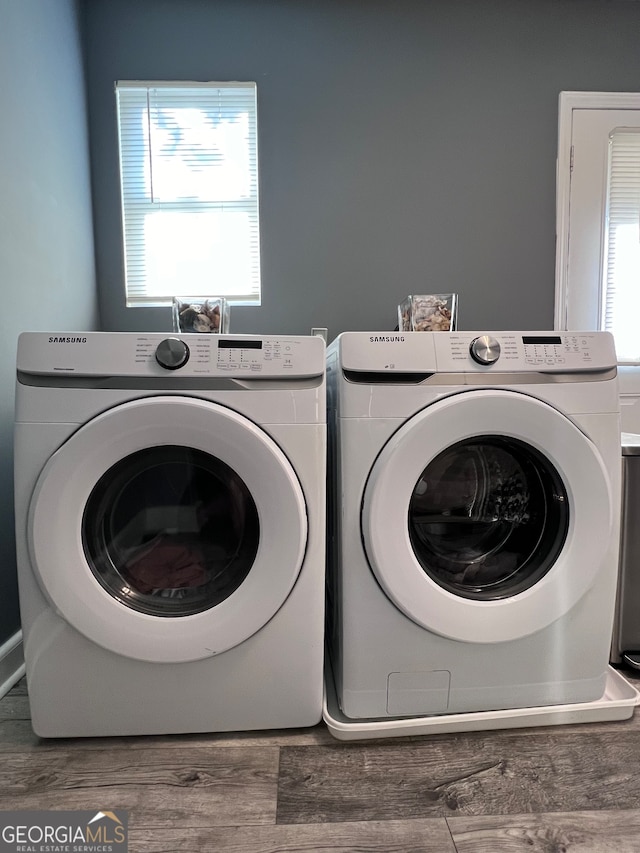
x,y
11,663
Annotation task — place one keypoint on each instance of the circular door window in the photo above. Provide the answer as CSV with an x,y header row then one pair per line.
x,y
156,529
488,517
170,531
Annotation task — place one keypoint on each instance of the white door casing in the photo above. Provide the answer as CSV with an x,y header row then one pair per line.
x,y
586,120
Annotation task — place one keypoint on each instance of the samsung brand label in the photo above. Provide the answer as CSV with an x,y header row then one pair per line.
x,y
54,340
385,339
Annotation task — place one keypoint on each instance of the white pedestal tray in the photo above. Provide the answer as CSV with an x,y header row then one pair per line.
x,y
617,703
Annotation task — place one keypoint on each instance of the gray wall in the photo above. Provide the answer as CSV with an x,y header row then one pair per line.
x,y
406,146
46,244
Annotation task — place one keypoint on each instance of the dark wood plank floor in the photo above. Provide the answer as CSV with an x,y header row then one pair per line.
x,y
564,789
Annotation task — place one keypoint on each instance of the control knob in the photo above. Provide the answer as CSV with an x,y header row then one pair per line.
x,y
485,349
172,353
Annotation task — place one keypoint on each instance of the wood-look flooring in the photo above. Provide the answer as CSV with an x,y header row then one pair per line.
x,y
563,789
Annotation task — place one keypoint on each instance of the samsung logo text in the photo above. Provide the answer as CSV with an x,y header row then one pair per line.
x,y
67,340
387,339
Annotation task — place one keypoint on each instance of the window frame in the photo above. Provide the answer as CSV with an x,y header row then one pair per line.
x,y
134,298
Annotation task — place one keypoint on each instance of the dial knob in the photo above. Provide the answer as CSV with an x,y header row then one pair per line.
x,y
485,349
172,353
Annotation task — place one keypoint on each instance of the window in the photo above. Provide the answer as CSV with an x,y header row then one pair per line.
x,y
620,310
189,184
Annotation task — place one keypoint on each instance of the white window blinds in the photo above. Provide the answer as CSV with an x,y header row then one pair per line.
x,y
621,274
189,183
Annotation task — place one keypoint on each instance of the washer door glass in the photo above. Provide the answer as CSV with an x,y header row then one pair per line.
x,y
170,531
488,517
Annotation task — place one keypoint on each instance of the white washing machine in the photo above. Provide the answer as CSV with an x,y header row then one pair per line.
x,y
474,519
170,517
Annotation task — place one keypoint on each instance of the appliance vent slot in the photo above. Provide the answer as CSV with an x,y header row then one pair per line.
x,y
384,377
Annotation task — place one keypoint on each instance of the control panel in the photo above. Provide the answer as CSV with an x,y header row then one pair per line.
x,y
476,352
556,349
157,354
233,355
563,351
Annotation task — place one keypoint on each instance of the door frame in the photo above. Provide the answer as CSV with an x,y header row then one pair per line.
x,y
568,102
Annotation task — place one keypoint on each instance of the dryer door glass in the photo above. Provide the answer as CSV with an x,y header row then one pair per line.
x,y
170,531
488,517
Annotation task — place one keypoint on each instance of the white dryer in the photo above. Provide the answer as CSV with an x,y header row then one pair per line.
x,y
474,519
170,520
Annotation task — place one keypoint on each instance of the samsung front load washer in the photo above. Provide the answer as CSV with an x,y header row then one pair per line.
x,y
170,519
474,515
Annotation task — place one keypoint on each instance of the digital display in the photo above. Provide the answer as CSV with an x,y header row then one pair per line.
x,y
548,339
230,343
